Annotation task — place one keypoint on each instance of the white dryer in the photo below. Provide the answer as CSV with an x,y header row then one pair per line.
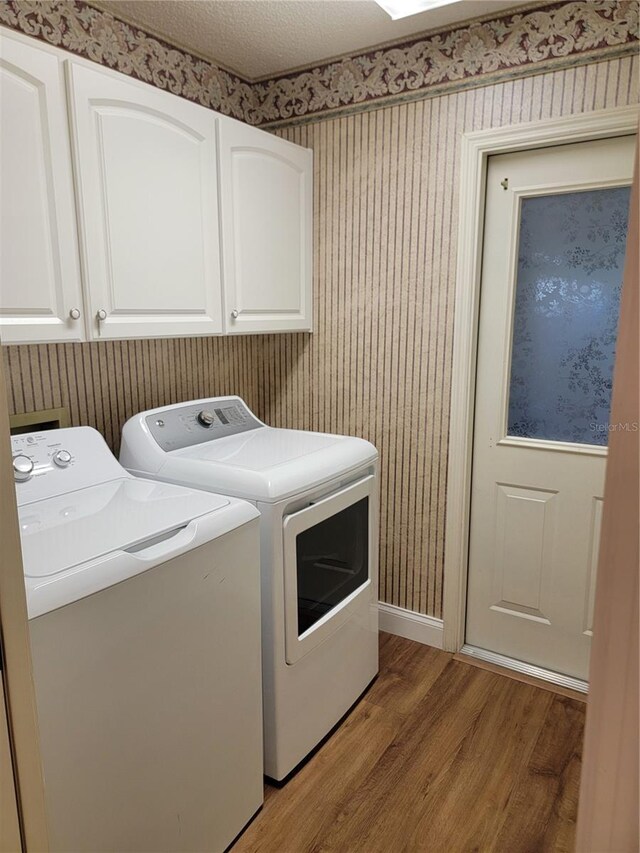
x,y
144,608
318,499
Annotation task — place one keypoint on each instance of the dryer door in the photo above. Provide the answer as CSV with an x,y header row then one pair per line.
x,y
328,557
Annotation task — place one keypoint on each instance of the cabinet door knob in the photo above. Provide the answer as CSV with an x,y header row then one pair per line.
x,y
74,313
235,314
101,314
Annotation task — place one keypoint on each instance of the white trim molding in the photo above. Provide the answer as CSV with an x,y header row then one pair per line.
x,y
475,150
410,625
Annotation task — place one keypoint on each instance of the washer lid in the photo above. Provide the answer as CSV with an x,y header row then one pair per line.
x,y
266,464
63,532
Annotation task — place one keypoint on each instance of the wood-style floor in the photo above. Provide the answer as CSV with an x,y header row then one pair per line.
x,y
438,756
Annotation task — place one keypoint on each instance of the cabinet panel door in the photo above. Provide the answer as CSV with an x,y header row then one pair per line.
x,y
266,230
147,186
40,286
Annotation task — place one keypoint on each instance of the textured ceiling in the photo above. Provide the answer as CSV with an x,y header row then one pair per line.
x,y
261,38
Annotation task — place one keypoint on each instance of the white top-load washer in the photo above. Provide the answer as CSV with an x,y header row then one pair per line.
x,y
144,608
318,499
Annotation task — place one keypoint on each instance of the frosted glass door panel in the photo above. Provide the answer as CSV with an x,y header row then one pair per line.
x,y
569,279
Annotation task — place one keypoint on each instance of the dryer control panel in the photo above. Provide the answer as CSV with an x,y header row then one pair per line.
x,y
205,420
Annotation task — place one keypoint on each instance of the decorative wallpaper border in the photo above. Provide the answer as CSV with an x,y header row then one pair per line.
x,y
82,29
475,54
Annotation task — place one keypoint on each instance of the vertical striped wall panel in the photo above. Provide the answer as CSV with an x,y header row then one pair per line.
x,y
379,362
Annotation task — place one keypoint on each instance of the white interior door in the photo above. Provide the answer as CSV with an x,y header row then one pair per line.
x,y
147,181
40,286
266,190
554,246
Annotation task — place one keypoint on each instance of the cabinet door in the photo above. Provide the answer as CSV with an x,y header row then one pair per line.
x,y
40,286
148,200
266,209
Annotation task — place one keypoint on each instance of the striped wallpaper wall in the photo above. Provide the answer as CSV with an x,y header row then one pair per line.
x,y
379,362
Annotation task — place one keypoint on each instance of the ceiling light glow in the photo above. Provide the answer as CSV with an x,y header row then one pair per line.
x,y
403,8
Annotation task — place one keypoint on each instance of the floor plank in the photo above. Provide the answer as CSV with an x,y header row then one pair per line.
x,y
438,756
541,814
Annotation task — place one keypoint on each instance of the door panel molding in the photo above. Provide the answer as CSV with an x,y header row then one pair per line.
x,y
476,148
548,444
594,550
524,515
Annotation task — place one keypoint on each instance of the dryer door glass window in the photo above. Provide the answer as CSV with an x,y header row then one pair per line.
x,y
332,562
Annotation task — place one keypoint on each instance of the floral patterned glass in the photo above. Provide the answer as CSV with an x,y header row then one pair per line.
x,y
571,257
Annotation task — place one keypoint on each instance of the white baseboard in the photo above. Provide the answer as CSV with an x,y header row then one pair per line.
x,y
411,625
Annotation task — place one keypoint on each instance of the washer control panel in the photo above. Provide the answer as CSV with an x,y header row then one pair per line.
x,y
37,453
194,423
56,461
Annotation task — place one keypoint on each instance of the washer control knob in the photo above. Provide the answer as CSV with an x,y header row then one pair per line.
x,y
205,418
62,458
22,467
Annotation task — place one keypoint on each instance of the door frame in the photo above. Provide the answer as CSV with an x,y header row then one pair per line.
x,y
19,695
476,148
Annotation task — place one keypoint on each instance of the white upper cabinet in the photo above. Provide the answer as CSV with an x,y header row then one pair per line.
x,y
148,198
40,285
129,212
266,217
